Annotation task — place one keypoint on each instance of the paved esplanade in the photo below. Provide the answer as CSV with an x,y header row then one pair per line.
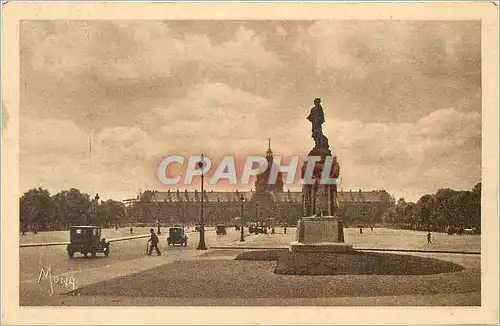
x,y
128,258
125,257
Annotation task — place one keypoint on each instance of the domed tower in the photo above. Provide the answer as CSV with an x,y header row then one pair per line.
x,y
262,183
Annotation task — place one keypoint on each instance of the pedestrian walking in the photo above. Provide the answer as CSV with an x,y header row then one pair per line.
x,y
154,243
131,230
429,237
284,229
360,230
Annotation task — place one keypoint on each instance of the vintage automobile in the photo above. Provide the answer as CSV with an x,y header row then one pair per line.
x,y
86,239
220,229
257,227
262,228
251,228
177,236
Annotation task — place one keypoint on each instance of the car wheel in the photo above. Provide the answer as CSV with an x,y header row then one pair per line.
x,y
70,253
106,253
93,254
86,255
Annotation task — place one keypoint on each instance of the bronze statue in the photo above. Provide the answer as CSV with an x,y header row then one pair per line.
x,y
317,118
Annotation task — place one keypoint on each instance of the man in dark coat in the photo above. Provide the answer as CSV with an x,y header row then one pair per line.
x,y
154,243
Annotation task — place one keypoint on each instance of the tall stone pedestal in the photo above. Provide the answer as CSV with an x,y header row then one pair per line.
x,y
320,234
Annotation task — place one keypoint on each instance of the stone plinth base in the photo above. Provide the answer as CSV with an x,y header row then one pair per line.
x,y
317,229
320,234
320,247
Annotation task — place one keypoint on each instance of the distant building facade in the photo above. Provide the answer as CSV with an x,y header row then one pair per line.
x,y
267,201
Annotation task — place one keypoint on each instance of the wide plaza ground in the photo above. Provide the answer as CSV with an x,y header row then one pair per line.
x,y
186,276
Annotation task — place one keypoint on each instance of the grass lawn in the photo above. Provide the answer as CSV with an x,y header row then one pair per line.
x,y
256,279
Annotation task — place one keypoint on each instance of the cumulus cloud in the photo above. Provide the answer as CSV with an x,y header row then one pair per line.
x,y
436,151
218,118
116,51
402,100
377,45
442,149
57,154
383,69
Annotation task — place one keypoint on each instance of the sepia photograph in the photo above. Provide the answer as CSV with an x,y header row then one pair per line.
x,y
301,161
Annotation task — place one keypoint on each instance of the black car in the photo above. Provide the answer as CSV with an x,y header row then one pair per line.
x,y
177,236
220,229
257,228
86,240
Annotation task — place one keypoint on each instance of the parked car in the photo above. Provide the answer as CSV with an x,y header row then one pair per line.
x,y
220,229
86,239
177,236
261,229
470,231
257,228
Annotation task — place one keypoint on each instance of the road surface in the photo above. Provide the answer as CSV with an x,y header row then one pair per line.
x,y
32,259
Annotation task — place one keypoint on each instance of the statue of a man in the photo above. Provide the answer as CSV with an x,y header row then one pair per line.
x,y
317,118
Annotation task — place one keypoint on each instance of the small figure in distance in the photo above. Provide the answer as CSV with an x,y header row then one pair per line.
x,y
429,237
131,230
104,244
360,230
284,229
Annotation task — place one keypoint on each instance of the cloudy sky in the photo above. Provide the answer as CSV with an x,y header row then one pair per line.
x,y
402,100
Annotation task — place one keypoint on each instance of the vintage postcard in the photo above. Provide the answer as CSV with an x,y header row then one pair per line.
x,y
250,163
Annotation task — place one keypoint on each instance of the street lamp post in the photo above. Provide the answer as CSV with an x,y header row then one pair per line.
x,y
96,203
201,244
242,238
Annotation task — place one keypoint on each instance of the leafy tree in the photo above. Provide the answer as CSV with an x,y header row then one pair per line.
x,y
446,202
36,209
73,207
426,208
111,212
476,210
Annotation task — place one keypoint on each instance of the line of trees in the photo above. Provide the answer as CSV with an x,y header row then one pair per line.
x,y
445,209
39,210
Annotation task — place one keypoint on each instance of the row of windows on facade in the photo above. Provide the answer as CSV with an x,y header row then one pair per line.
x,y
293,197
